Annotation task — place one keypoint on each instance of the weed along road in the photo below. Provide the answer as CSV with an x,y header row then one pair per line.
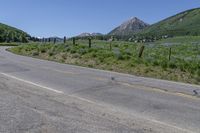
x,y
43,96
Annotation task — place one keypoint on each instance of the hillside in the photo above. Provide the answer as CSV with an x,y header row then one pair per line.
x,y
129,27
185,23
11,34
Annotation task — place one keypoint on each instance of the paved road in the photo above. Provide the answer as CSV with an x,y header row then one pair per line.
x,y
100,101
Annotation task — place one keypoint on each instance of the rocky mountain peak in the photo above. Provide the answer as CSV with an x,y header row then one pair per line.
x,y
130,26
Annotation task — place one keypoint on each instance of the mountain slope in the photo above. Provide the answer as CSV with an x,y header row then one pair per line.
x,y
129,27
11,34
185,23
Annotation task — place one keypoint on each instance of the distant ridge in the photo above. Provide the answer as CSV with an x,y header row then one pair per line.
x,y
89,34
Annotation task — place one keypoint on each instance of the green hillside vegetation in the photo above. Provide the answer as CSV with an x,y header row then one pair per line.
x,y
120,56
185,23
11,34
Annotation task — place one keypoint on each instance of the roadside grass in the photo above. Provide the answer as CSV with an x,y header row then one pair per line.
x,y
183,66
9,44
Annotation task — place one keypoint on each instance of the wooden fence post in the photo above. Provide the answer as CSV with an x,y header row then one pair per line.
x,y
74,41
90,42
141,51
54,41
170,52
65,39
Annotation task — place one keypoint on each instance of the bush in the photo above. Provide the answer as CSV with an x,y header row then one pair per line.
x,y
94,55
43,50
76,55
82,51
119,56
164,64
72,51
64,56
155,63
50,53
172,65
198,73
35,53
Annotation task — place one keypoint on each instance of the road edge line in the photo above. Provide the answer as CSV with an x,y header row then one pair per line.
x,y
29,82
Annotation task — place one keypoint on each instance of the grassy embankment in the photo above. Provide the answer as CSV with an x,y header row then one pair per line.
x,y
183,66
9,44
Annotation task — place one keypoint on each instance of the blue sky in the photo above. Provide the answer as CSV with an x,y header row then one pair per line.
x,y
43,18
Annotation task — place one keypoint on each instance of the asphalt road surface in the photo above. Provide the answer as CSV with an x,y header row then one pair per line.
x,y
38,96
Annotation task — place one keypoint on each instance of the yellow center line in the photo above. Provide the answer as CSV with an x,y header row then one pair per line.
x,y
60,71
100,79
180,94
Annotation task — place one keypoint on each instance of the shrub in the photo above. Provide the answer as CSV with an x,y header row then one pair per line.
x,y
172,65
82,51
50,53
101,58
35,53
164,64
72,51
198,73
119,56
43,50
116,45
64,56
76,55
94,55
155,63
62,60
